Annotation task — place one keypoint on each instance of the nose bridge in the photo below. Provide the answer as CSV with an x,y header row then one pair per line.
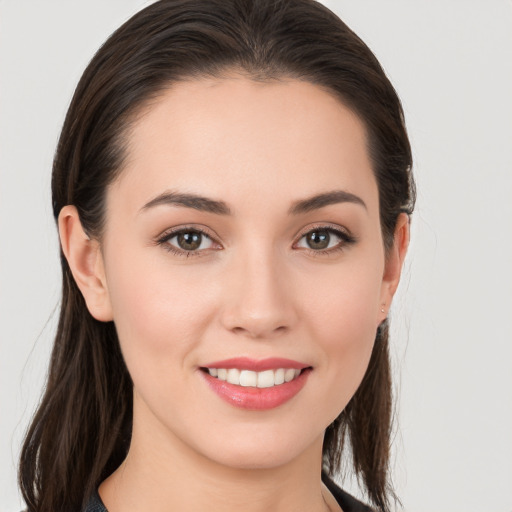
x,y
259,302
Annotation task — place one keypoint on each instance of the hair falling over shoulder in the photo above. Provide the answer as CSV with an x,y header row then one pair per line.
x,y
81,431
83,424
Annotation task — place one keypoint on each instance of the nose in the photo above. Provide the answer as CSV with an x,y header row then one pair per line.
x,y
258,298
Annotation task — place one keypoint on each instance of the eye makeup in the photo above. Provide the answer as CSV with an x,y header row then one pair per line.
x,y
193,241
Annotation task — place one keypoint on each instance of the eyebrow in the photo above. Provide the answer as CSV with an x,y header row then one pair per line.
x,y
325,199
186,200
206,204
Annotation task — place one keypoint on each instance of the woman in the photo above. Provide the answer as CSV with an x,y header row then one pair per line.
x,y
232,188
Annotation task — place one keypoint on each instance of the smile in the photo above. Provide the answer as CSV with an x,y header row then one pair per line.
x,y
256,384
248,378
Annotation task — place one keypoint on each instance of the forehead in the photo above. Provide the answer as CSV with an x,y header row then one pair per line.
x,y
242,140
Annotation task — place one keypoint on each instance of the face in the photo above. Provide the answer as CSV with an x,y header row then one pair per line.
x,y
243,240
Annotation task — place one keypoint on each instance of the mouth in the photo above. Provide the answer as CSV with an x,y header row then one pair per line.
x,y
249,378
256,385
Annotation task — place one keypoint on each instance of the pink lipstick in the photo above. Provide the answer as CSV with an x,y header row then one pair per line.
x,y
256,384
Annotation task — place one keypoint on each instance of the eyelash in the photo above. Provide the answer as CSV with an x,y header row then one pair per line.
x,y
346,240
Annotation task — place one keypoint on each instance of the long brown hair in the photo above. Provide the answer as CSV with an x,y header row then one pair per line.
x,y
81,431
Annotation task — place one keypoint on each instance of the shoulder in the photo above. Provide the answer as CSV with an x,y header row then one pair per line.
x,y
95,504
347,502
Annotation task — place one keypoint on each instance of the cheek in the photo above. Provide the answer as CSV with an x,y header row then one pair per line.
x,y
158,313
343,301
342,322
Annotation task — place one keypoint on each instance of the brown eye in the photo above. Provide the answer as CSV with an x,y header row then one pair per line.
x,y
324,240
318,239
189,240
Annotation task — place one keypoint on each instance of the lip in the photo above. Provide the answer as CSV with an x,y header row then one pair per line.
x,y
260,365
253,398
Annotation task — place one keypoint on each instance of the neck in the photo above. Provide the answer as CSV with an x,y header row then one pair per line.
x,y
162,474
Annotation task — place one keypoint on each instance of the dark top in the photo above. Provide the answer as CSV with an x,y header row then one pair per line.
x,y
347,502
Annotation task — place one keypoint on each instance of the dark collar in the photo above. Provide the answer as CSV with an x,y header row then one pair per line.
x,y
347,502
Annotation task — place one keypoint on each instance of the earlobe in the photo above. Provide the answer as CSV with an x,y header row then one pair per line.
x,y
394,263
86,263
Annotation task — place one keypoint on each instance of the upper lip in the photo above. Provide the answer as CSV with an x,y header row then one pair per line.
x,y
257,365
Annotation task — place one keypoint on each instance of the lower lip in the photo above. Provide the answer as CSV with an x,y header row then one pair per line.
x,y
256,399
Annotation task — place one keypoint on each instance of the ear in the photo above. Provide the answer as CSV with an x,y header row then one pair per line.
x,y
86,263
393,266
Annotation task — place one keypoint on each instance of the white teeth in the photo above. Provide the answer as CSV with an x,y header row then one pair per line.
x,y
289,375
248,378
233,376
266,379
279,376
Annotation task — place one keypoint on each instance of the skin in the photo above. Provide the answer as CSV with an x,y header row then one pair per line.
x,y
254,289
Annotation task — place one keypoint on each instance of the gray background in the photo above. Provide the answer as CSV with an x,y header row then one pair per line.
x,y
451,62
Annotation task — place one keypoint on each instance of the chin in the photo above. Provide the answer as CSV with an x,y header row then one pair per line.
x,y
254,460
268,451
